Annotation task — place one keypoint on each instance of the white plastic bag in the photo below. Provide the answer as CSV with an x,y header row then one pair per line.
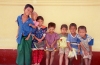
x,y
72,54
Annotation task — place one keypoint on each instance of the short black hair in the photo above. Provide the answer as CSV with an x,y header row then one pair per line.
x,y
40,17
29,5
51,24
82,27
73,24
64,26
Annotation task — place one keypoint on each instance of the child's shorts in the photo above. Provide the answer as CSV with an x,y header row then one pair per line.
x,y
86,56
38,45
63,50
50,49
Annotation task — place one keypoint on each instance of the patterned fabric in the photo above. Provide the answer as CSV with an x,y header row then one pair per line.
x,y
88,41
39,33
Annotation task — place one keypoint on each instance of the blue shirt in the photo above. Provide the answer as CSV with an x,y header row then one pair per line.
x,y
73,41
24,28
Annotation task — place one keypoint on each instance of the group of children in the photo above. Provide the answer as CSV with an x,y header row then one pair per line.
x,y
34,39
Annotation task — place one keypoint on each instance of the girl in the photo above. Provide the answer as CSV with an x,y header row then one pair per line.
x,y
51,42
86,43
63,49
38,42
72,41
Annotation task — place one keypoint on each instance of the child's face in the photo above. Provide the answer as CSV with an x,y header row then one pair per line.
x,y
28,11
51,29
73,29
63,30
40,22
82,32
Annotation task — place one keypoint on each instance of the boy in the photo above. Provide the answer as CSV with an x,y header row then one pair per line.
x,y
72,40
63,48
23,37
86,43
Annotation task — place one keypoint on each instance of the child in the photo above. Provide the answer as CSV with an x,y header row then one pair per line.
x,y
23,38
34,16
86,43
72,40
38,42
63,49
51,42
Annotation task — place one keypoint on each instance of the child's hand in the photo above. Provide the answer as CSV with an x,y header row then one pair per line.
x,y
39,40
34,26
30,24
17,36
86,52
27,38
52,46
78,50
48,46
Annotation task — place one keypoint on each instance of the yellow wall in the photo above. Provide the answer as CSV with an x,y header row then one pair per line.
x,y
80,12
